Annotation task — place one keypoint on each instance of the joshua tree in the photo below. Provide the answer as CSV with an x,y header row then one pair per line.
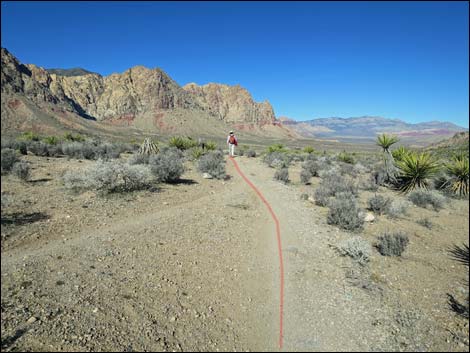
x,y
386,142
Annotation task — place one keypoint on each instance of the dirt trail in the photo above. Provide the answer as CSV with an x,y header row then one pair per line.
x,y
191,267
320,312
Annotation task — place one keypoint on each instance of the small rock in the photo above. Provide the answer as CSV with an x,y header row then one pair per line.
x,y
31,320
369,217
207,176
311,199
173,319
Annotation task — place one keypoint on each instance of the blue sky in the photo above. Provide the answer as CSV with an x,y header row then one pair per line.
x,y
406,60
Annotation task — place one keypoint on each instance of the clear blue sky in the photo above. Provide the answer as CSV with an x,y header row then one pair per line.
x,y
406,60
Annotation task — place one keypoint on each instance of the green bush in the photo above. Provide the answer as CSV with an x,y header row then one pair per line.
x,y
30,136
277,147
308,149
346,158
357,248
182,143
51,140
74,138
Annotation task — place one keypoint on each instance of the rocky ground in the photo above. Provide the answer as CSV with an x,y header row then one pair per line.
x,y
194,267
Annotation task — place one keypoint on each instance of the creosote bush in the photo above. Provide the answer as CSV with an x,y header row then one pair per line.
x,y
213,163
392,244
425,222
167,166
344,212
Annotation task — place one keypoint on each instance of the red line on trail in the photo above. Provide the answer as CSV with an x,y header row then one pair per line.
x,y
278,234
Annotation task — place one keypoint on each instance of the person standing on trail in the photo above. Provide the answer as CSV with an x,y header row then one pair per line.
x,y
231,142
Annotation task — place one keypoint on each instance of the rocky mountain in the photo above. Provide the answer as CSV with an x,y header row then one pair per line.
x,y
368,127
76,71
140,97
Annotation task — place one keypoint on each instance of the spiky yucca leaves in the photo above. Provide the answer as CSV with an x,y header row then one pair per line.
x,y
415,171
386,141
399,153
458,172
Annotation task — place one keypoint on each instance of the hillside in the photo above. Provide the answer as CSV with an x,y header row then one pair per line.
x,y
140,98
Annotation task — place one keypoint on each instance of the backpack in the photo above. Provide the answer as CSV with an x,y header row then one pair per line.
x,y
232,140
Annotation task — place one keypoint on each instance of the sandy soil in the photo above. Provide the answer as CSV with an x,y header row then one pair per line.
x,y
194,267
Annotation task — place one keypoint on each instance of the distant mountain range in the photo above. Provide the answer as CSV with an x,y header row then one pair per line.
x,y
368,127
76,71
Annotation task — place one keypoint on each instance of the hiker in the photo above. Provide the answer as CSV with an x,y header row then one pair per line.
x,y
231,142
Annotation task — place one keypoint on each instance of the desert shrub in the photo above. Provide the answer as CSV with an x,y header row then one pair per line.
x,y
368,183
378,204
333,185
277,147
250,153
210,146
107,150
73,137
109,177
311,166
282,174
357,248
22,170
51,140
182,143
39,148
379,174
213,163
425,222
30,136
392,244
196,152
305,176
346,158
344,212
423,198
308,149
167,165
276,160
138,158
397,208
8,158
18,145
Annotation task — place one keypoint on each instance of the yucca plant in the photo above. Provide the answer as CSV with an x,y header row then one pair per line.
x,y
386,141
458,172
309,149
210,146
399,153
277,147
415,171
